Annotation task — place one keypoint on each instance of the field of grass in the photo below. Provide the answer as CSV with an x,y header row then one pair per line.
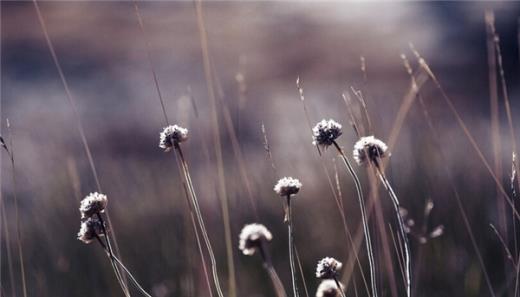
x,y
156,132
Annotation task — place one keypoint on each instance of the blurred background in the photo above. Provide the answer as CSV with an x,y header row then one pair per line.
x,y
256,51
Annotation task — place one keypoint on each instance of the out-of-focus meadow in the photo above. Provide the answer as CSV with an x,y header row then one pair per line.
x,y
256,52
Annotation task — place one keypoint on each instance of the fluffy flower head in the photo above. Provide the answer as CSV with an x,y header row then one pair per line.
x,y
287,186
89,229
251,238
92,204
325,132
328,268
368,149
172,135
328,288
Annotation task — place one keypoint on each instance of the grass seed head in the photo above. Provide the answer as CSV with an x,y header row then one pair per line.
x,y
328,268
370,149
92,204
326,132
251,238
287,186
171,136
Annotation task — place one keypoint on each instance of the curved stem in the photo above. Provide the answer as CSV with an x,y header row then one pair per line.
x,y
268,265
364,220
340,289
198,214
396,205
108,249
291,246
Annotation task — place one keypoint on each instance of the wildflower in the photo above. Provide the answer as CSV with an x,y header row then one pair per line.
x,y
328,268
92,204
251,238
89,230
326,132
287,186
328,288
369,148
172,135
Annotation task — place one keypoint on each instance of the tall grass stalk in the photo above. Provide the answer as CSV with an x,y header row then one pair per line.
x,y
466,131
8,250
300,268
79,124
291,245
207,64
366,229
273,275
467,224
108,249
10,153
402,232
196,208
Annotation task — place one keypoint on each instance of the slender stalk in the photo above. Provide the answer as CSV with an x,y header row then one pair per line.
x,y
362,207
268,265
198,214
8,250
406,242
114,259
297,254
291,246
16,209
340,289
108,248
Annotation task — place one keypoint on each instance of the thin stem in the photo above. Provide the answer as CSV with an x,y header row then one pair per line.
x,y
362,207
116,260
16,209
108,248
340,289
202,226
268,265
291,246
396,205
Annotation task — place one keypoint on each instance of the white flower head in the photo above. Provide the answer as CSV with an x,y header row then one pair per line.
x,y
89,229
171,136
287,186
328,288
370,149
251,238
92,204
328,268
325,132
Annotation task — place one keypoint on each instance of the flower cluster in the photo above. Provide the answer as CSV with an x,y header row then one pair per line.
x,y
287,186
328,288
172,135
326,132
251,238
90,229
328,268
369,149
94,203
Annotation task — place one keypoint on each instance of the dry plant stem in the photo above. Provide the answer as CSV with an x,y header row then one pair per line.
x,y
197,236
268,265
198,213
406,242
111,256
466,131
75,111
291,246
364,220
207,64
116,260
339,287
348,233
17,215
300,268
8,251
467,224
